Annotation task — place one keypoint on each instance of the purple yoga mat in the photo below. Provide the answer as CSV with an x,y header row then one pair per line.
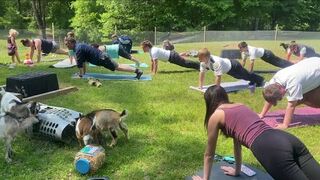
x,y
304,116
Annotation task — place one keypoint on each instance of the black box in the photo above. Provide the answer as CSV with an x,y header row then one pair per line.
x,y
231,54
32,83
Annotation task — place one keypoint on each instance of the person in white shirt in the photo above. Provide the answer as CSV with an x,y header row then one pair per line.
x,y
222,66
166,56
301,51
266,55
301,83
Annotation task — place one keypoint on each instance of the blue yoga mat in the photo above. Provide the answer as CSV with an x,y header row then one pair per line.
x,y
142,65
128,77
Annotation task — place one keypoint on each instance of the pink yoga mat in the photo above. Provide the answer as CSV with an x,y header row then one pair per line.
x,y
304,116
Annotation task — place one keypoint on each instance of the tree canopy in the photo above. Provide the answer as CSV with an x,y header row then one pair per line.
x,y
95,19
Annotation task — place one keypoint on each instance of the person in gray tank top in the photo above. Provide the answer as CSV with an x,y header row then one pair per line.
x,y
301,51
42,45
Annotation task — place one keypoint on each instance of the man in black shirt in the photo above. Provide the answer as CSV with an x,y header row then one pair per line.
x,y
86,53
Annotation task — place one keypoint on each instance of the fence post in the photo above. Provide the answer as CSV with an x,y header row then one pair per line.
x,y
155,35
276,32
204,33
52,28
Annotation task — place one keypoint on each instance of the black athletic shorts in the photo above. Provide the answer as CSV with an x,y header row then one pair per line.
x,y
108,63
123,53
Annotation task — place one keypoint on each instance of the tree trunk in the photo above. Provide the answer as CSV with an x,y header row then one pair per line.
x,y
38,7
19,6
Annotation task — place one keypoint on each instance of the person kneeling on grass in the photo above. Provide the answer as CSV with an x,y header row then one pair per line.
x,y
42,45
281,154
221,66
266,55
300,81
166,55
86,53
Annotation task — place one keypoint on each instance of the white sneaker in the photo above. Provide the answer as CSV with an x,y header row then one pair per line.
x,y
252,88
12,66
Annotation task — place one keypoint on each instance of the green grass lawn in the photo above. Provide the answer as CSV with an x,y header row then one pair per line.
x,y
167,137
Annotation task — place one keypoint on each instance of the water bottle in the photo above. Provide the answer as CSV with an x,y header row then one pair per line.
x,y
89,159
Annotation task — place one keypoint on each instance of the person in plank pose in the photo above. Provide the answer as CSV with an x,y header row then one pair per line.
x,y
301,51
222,66
282,154
266,55
301,82
86,53
42,45
166,56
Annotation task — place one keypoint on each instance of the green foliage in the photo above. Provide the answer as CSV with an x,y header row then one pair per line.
x,y
86,20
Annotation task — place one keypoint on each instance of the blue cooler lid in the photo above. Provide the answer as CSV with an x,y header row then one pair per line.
x,y
83,166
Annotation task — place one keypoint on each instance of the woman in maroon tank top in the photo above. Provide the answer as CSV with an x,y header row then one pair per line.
x,y
283,155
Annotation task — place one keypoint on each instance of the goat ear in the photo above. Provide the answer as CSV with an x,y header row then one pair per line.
x,y
33,107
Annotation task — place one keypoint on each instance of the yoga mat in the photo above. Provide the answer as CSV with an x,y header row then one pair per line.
x,y
228,86
217,173
64,64
304,116
128,77
142,65
231,54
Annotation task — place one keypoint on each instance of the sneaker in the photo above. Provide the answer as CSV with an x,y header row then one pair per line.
x,y
252,88
139,74
12,66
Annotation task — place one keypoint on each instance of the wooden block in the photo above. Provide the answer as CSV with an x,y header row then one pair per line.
x,y
50,94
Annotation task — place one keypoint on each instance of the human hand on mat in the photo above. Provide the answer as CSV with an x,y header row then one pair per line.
x,y
197,178
229,170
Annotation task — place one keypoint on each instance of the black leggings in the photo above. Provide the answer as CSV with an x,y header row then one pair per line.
x,y
123,52
239,72
270,58
284,156
175,58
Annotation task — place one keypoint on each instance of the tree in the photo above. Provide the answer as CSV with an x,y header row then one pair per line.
x,y
86,21
39,11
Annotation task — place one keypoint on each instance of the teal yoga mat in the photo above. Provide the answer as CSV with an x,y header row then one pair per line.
x,y
128,77
142,65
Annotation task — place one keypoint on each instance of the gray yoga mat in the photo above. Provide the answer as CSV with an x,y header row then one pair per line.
x,y
217,173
